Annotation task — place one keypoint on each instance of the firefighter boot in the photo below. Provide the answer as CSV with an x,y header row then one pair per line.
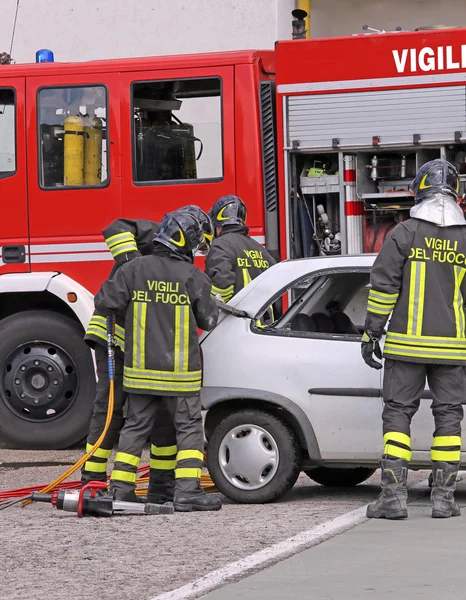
x,y
443,490
125,495
194,498
161,486
391,504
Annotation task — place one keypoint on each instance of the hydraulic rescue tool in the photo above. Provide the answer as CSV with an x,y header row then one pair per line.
x,y
86,501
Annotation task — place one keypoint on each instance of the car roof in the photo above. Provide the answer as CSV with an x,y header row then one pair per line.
x,y
280,275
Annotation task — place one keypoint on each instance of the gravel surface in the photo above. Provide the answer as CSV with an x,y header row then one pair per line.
x,y
50,554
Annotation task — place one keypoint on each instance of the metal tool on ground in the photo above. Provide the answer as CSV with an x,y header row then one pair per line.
x,y
88,502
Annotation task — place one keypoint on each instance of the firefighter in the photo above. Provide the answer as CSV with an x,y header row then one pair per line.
x,y
163,449
165,299
126,239
418,276
235,259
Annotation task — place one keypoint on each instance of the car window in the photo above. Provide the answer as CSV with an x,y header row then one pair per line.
x,y
333,303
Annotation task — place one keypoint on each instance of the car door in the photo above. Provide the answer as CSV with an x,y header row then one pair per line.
x,y
322,372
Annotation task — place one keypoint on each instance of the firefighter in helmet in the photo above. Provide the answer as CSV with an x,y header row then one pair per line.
x,y
126,239
165,299
235,259
418,277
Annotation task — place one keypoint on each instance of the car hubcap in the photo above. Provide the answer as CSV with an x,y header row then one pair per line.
x,y
248,457
38,381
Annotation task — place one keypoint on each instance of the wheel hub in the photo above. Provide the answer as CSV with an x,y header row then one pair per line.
x,y
248,457
39,381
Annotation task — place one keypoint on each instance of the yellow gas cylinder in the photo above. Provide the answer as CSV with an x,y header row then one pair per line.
x,y
74,151
93,152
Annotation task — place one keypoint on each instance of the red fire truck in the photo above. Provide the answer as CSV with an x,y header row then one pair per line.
x,y
320,138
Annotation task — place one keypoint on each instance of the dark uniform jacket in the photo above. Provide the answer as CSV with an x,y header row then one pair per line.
x,y
234,260
419,274
126,239
166,299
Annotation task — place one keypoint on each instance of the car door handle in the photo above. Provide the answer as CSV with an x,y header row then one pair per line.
x,y
13,254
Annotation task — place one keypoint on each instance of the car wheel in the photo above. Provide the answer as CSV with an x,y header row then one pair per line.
x,y
340,477
47,381
253,457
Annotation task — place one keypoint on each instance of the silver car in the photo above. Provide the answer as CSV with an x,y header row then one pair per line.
x,y
295,395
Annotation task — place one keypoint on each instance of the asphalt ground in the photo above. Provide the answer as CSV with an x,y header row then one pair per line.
x,y
411,559
51,554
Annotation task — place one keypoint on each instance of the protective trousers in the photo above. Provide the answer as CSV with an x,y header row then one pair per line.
x,y
141,420
95,469
403,385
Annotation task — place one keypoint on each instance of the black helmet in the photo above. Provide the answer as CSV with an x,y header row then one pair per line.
x,y
435,176
228,210
206,224
181,232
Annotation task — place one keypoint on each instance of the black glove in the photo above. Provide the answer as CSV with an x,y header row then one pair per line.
x,y
372,347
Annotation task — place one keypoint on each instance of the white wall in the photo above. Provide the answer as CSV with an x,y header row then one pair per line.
x,y
95,29
330,18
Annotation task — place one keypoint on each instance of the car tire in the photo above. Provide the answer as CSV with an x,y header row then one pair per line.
x,y
43,356
253,433
340,477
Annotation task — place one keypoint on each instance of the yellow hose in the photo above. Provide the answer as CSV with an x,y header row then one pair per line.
x,y
83,459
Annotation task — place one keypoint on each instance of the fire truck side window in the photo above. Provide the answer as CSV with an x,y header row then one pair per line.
x,y
7,133
177,130
73,137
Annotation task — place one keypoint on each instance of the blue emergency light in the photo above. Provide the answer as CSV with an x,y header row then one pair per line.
x,y
44,56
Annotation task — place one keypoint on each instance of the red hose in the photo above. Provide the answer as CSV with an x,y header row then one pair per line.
x,y
69,485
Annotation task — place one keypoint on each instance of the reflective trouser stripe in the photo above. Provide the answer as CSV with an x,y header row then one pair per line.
x,y
163,458
458,302
397,452
99,452
188,473
128,459
185,454
445,455
447,440
95,467
181,357
446,448
163,450
417,285
162,465
118,475
139,334
397,436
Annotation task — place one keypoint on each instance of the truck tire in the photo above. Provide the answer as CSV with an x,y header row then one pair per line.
x,y
340,477
253,457
47,381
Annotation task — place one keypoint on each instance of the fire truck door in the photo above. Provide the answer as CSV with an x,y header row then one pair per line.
x,y
13,188
177,139
74,173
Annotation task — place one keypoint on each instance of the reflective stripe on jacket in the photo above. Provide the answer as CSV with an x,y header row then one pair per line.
x,y
166,299
419,278
235,260
126,239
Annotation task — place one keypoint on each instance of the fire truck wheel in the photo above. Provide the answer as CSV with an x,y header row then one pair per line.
x,y
47,381
253,457
340,477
